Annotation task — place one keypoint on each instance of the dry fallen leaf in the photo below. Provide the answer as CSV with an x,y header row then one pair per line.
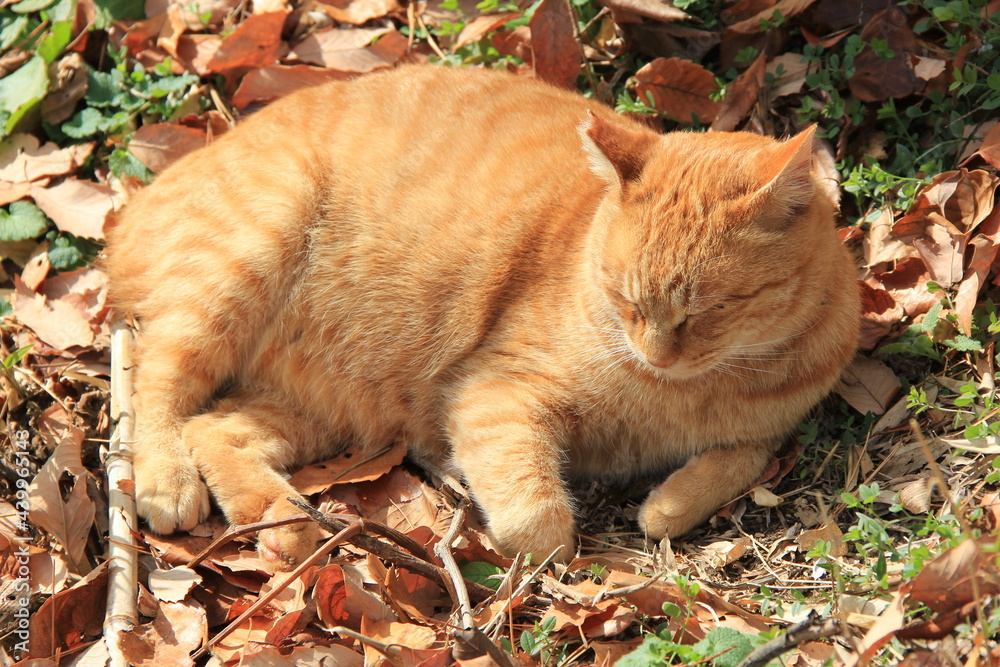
x,y
255,43
58,322
679,88
345,468
270,83
357,12
868,385
161,144
25,159
553,43
174,584
76,206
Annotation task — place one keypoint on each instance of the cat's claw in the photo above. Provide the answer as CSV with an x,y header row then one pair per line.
x,y
171,497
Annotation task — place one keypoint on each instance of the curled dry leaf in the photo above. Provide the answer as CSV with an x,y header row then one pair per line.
x,y
480,26
879,314
178,629
916,496
960,575
68,79
829,533
67,517
161,144
679,88
764,498
989,150
652,9
25,159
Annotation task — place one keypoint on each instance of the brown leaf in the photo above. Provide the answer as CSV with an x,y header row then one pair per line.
x,y
879,314
553,43
67,519
907,285
960,575
989,150
829,532
342,49
159,145
174,584
318,477
883,243
888,622
680,89
876,80
255,43
942,250
741,96
57,321
76,206
178,629
357,12
658,11
788,9
26,160
984,251
197,51
37,268
69,85
793,68
70,618
270,83
480,26
868,385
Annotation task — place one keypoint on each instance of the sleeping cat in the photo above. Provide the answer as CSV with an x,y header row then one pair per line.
x,y
519,284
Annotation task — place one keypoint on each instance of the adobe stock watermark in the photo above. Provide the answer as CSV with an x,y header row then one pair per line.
x,y
21,589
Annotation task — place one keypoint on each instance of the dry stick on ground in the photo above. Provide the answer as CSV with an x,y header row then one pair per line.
x,y
812,628
121,614
344,535
443,551
238,531
470,642
418,563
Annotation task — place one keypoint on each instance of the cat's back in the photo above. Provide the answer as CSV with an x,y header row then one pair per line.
x,y
427,153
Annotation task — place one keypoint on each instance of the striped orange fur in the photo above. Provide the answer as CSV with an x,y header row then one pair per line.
x,y
516,282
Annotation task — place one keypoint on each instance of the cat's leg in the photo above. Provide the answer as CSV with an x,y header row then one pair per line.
x,y
240,448
507,447
704,484
176,375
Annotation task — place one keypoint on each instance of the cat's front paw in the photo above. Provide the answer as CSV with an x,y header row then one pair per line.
x,y
170,494
286,546
538,534
668,510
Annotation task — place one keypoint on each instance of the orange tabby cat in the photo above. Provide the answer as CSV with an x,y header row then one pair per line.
x,y
516,282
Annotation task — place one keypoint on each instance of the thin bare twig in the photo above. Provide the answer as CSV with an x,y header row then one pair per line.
x,y
345,535
419,563
443,551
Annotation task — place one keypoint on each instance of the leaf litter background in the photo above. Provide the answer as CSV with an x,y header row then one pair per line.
x,y
85,126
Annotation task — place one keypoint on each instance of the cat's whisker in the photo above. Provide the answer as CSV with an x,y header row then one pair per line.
x,y
751,368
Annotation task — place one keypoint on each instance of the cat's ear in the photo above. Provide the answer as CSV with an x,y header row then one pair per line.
x,y
617,153
790,188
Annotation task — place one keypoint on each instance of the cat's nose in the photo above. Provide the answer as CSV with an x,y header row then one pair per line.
x,y
663,359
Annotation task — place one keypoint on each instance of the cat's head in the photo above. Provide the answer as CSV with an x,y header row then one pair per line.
x,y
702,246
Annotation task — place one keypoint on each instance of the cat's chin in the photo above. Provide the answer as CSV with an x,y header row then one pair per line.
x,y
677,371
